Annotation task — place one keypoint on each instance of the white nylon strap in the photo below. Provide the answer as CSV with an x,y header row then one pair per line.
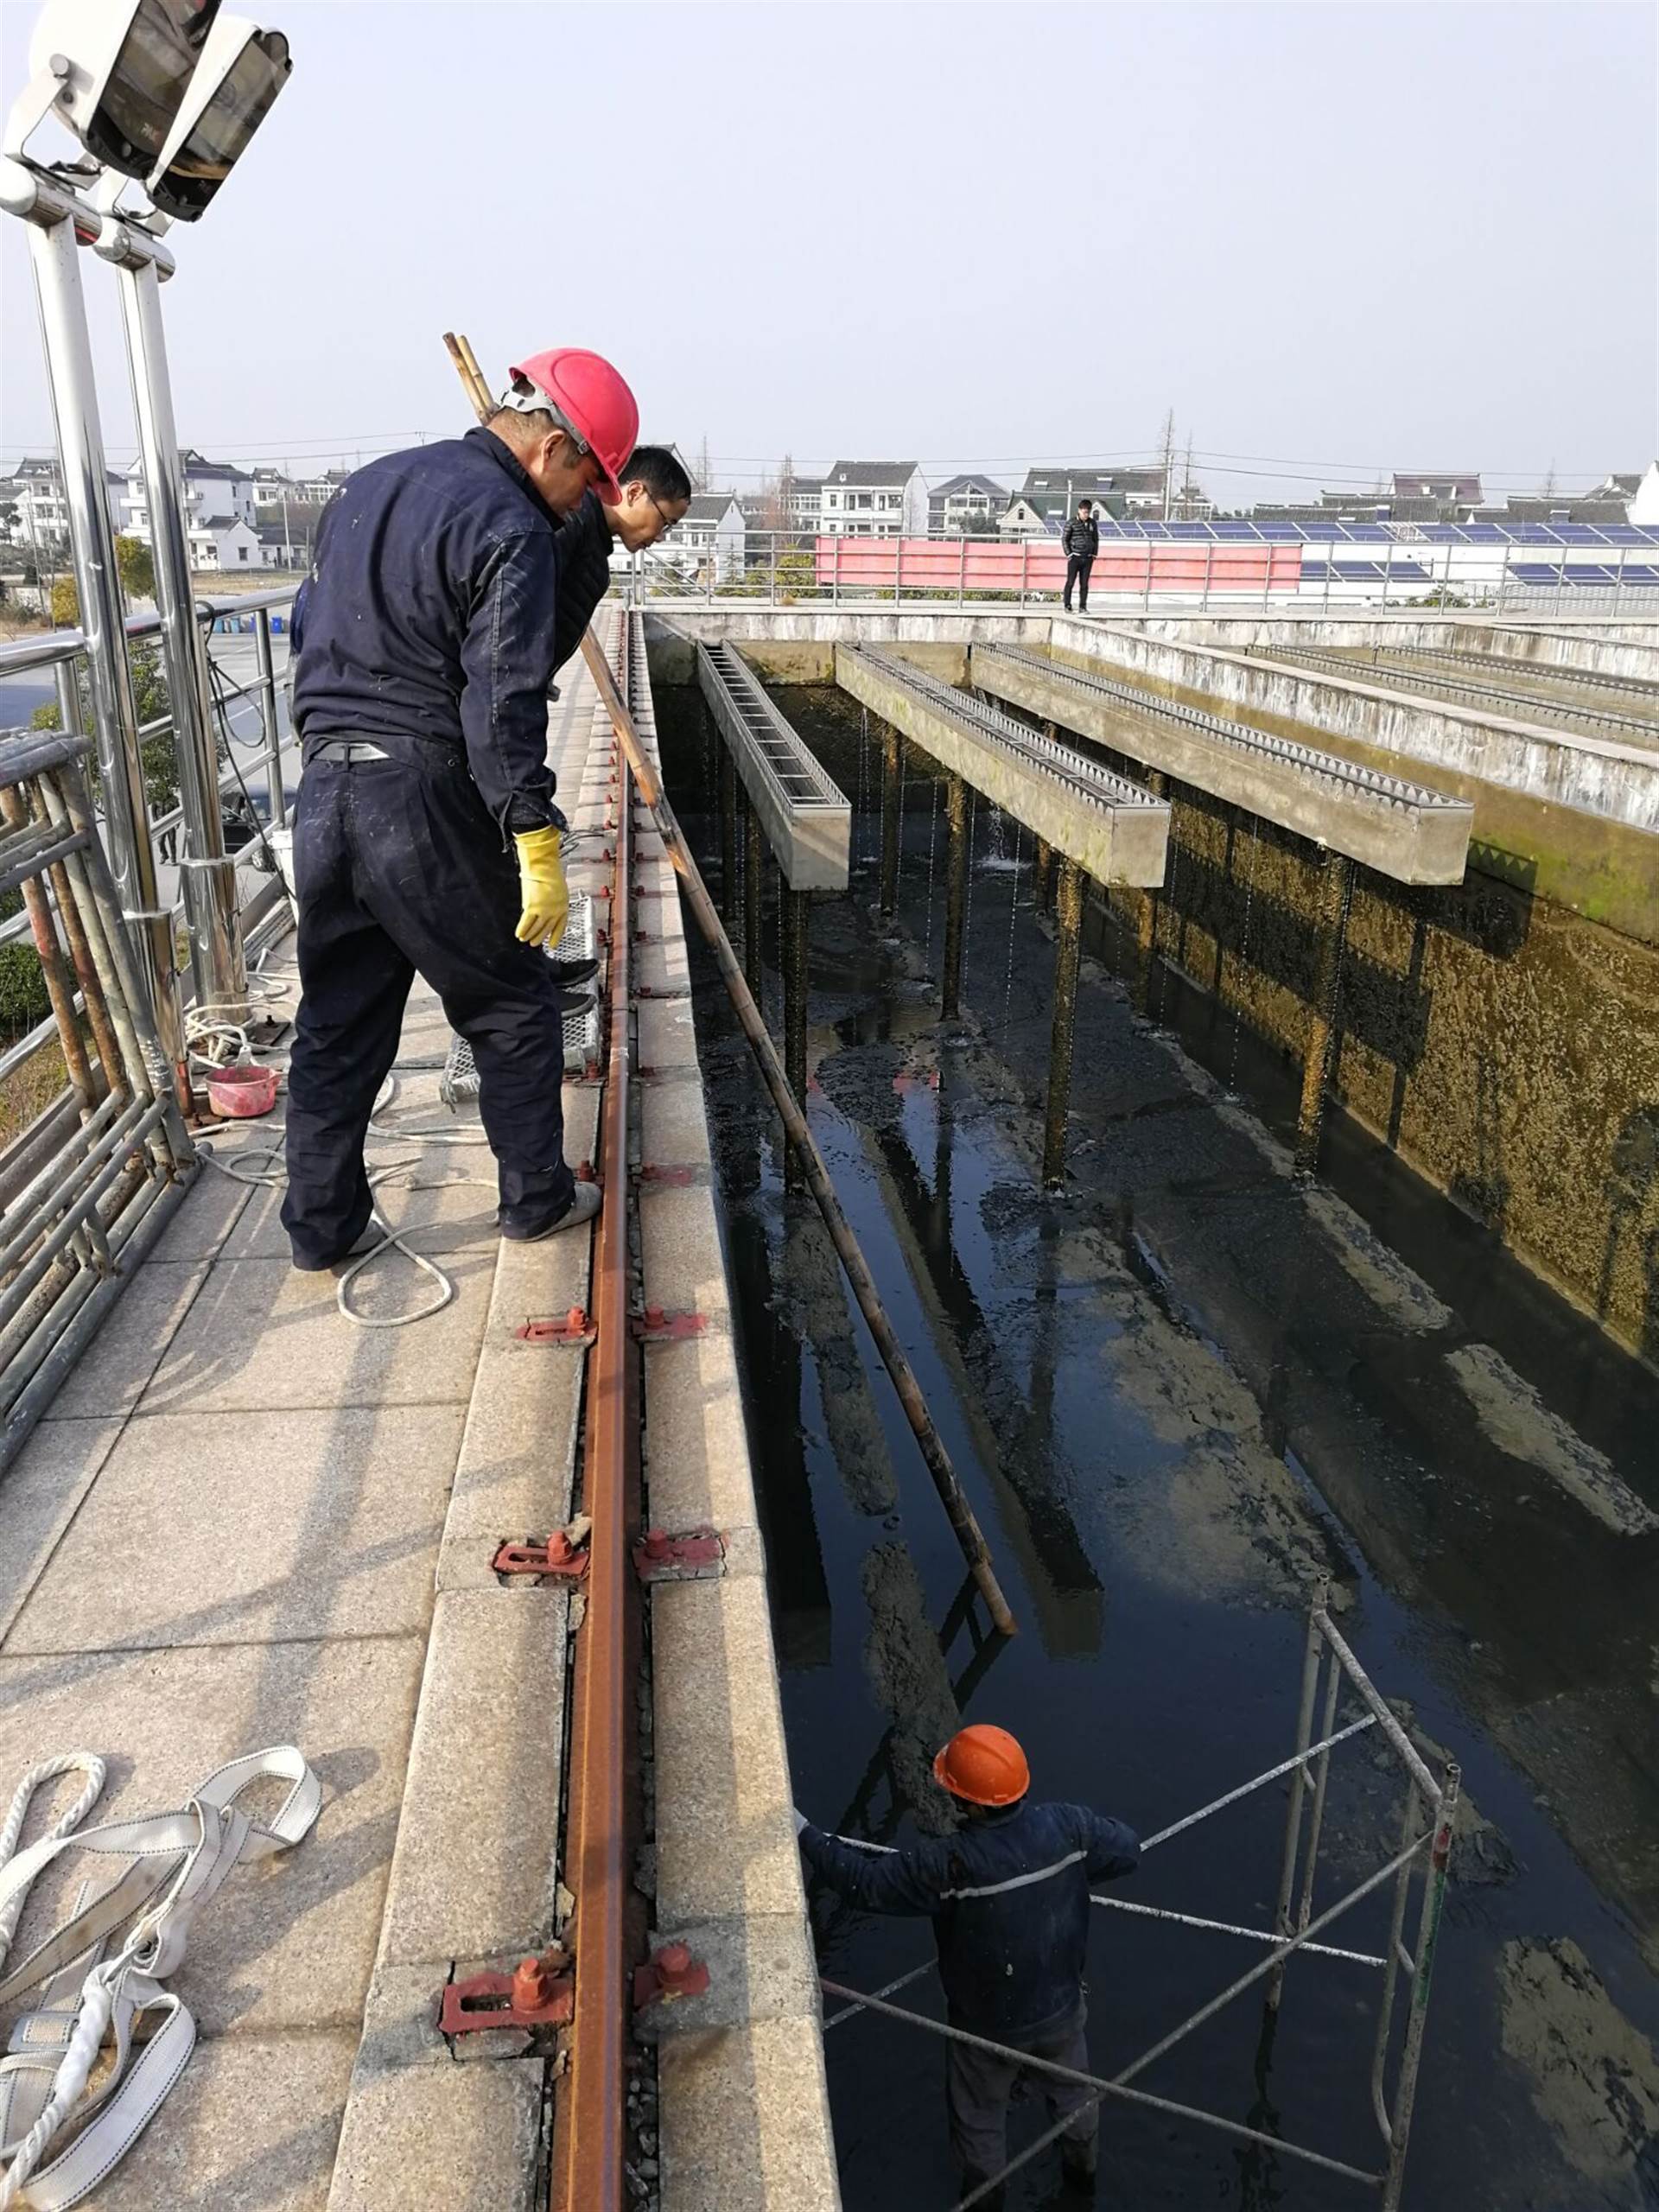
x,y
178,1862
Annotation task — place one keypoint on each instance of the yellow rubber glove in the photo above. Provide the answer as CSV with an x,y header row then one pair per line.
x,y
542,885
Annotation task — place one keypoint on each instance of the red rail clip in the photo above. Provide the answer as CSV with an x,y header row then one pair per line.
x,y
572,1327
559,1555
657,1326
668,1974
537,1993
695,1555
652,1172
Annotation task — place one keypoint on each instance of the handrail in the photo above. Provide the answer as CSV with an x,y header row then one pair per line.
x,y
19,655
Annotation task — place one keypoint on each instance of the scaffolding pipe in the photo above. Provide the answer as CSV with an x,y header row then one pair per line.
x,y
963,1523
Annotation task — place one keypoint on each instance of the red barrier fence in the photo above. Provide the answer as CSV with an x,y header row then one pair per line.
x,y
971,567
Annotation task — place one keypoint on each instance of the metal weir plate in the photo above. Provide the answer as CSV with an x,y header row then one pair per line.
x,y
1116,831
806,818
1402,829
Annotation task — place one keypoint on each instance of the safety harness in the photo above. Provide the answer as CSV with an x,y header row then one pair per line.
x,y
92,1977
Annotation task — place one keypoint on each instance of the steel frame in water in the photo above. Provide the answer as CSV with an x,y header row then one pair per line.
x,y
1427,1818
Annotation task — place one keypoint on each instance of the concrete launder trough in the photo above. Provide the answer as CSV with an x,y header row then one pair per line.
x,y
1400,830
1115,831
807,821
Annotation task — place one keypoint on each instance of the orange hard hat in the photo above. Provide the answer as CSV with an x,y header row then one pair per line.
x,y
594,400
984,1764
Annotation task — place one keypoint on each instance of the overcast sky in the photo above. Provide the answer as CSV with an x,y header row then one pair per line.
x,y
1334,238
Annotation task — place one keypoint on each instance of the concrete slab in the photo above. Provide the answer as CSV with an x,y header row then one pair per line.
x,y
259,1334
289,1943
760,1967
43,1488
1116,832
683,1263
251,2124
725,1837
445,1201
804,815
205,1215
466,2137
477,1857
279,1525
667,1034
674,1127
696,1446
744,2119
111,1375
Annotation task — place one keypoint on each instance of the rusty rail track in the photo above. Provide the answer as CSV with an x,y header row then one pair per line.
x,y
589,2133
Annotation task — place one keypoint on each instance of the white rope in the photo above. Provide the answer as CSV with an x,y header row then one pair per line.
x,y
86,1763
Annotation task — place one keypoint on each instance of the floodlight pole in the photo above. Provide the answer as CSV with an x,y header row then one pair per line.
x,y
54,216
218,965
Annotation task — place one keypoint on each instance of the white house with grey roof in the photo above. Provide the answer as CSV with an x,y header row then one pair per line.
x,y
965,503
873,498
714,528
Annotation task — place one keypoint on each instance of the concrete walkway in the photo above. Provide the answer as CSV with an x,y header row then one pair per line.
x,y
248,1521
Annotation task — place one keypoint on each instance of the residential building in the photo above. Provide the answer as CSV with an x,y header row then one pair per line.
x,y
874,498
1050,493
225,541
41,522
713,528
806,504
221,491
965,503
1451,487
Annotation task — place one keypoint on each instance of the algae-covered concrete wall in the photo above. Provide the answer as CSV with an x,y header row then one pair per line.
x,y
1505,1046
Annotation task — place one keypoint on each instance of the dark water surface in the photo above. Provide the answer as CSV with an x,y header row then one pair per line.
x,y
1176,1393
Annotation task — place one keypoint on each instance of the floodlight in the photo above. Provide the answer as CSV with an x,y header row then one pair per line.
x,y
241,71
116,72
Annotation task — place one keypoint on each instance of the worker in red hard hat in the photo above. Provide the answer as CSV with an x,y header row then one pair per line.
x,y
1008,1897
426,838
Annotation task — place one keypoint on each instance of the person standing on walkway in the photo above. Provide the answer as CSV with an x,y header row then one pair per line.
x,y
656,491
429,628
1080,543
1008,1897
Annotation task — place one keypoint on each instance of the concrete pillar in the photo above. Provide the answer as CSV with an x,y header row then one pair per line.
x,y
727,834
890,800
1146,923
1336,892
796,912
1069,920
1042,876
956,895
753,863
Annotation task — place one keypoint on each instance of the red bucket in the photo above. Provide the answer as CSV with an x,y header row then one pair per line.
x,y
240,1093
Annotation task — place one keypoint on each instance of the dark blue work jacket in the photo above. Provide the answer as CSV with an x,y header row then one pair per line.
x,y
430,618
1008,1897
584,551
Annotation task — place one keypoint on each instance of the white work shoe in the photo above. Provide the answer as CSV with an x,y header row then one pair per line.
x,y
583,1207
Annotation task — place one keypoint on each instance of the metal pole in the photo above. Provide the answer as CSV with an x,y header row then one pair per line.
x,y
1208,569
1428,1930
115,722
797,909
963,1522
753,863
955,893
890,796
1314,1652
217,967
961,569
1336,896
1069,915
728,834
273,733
899,567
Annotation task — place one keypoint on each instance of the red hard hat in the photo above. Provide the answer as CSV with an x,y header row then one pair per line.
x,y
596,402
984,1764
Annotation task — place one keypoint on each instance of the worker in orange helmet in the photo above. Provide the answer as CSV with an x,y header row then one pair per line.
x,y
1008,1897
428,837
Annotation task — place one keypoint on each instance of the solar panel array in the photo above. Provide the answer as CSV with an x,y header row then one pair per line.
x,y
1382,533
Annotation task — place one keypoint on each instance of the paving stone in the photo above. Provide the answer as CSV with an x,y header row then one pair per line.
x,y
205,1215
725,1836
667,1033
278,1525
463,2137
289,1942
683,1263
673,1125
696,1444
661,970
477,1850
760,1967
110,1376
744,2120
261,1334
253,2125
39,1496
444,1201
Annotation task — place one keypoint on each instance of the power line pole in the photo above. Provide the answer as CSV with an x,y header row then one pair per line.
x,y
1169,456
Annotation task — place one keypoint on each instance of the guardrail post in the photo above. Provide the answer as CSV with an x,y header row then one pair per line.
x,y
207,872
1025,570
1068,946
1428,1930
277,796
961,569
53,253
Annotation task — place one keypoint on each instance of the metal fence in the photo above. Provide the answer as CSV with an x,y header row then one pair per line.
x,y
251,721
785,569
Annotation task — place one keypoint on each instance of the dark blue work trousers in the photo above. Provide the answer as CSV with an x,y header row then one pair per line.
x,y
399,869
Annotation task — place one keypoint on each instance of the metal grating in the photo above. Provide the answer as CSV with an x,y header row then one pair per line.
x,y
457,1085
